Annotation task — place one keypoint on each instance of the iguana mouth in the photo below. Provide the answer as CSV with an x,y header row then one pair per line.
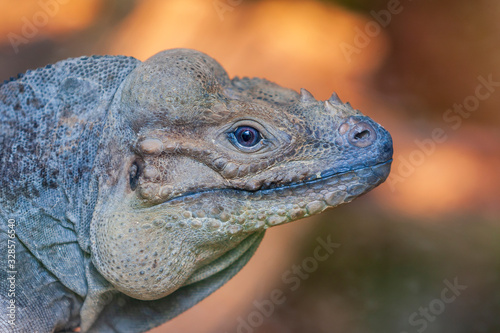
x,y
381,171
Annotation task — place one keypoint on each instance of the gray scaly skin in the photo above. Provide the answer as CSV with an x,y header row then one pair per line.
x,y
137,189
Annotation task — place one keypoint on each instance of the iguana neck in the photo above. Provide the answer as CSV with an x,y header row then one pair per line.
x,y
52,121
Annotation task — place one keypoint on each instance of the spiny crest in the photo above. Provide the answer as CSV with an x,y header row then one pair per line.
x,y
306,96
333,105
334,99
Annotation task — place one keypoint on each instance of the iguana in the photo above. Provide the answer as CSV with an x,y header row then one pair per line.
x,y
130,191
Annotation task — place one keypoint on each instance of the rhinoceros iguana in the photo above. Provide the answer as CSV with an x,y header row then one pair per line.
x,y
132,190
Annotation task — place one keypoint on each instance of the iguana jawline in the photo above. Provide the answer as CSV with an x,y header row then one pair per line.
x,y
237,191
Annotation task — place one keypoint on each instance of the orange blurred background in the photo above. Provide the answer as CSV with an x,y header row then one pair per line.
x,y
408,65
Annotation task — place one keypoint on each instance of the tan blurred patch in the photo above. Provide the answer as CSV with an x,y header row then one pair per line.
x,y
436,186
459,176
31,19
294,43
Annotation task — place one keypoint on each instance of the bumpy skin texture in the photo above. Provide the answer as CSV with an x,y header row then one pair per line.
x,y
132,195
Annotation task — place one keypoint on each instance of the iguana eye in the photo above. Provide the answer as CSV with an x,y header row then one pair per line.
x,y
246,136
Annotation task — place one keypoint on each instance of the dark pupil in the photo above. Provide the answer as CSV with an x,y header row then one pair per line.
x,y
247,136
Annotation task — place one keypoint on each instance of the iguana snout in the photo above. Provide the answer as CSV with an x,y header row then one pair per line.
x,y
212,162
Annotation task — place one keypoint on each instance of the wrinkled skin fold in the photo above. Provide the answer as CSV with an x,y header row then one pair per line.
x,y
140,188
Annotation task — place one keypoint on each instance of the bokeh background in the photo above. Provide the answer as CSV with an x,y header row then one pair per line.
x,y
417,67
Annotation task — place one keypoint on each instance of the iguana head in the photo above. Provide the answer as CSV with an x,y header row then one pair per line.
x,y
210,161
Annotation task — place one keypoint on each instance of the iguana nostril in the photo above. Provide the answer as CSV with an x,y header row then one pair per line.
x,y
361,135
